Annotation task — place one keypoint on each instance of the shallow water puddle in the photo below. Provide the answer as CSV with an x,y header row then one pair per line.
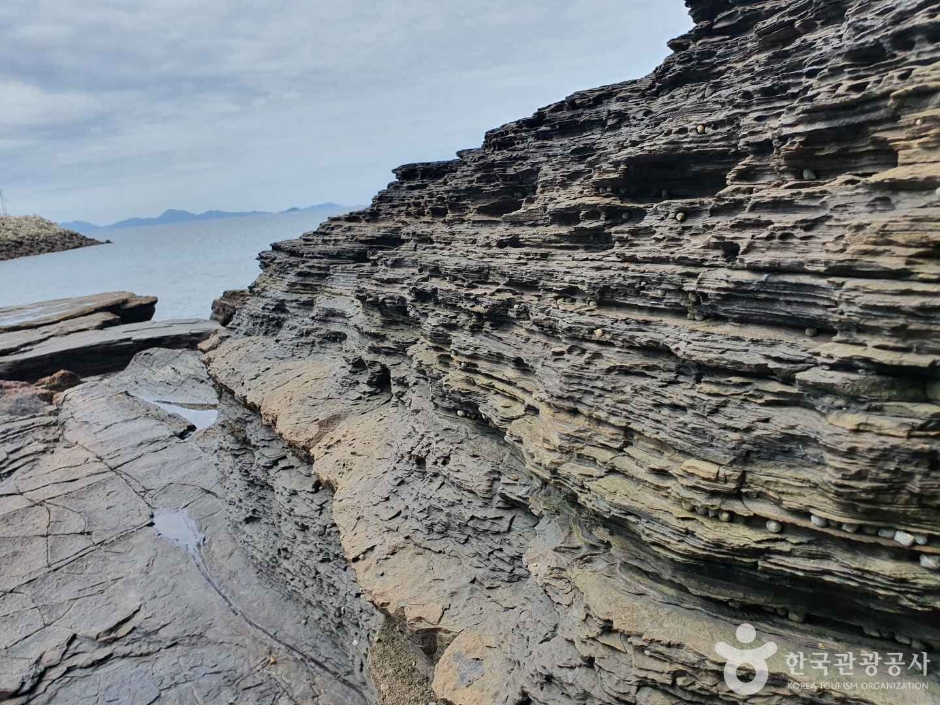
x,y
199,415
179,528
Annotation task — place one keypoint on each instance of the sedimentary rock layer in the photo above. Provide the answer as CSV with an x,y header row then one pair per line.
x,y
87,335
658,360
22,236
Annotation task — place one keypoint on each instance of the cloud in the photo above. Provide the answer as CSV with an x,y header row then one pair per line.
x,y
113,108
27,106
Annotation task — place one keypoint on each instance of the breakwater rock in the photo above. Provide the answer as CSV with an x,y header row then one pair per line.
x,y
27,235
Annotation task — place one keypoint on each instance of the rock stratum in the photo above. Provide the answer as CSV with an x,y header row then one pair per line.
x,y
544,424
88,335
656,361
27,235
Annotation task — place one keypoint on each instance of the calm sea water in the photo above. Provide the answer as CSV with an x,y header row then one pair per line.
x,y
186,265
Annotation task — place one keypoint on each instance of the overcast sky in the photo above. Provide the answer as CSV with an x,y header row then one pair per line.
x,y
118,108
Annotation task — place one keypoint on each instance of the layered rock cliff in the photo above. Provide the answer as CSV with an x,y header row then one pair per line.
x,y
656,361
544,424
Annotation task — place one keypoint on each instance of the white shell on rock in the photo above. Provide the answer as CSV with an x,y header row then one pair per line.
x,y
818,521
774,527
809,175
904,538
850,528
930,562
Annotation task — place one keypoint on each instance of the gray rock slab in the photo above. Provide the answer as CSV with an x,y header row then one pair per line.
x,y
102,597
92,352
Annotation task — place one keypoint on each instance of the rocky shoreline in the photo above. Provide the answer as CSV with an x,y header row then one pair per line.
x,y
143,518
28,235
547,423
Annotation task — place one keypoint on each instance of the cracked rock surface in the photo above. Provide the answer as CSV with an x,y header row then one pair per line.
x,y
656,361
122,581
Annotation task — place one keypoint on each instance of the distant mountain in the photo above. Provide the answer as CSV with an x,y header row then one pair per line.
x,y
178,216
80,226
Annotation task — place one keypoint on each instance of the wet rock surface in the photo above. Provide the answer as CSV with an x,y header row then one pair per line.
x,y
122,579
26,235
659,360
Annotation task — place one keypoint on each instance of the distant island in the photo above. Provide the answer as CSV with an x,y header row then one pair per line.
x,y
178,216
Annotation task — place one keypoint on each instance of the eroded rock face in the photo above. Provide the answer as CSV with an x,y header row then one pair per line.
x,y
658,360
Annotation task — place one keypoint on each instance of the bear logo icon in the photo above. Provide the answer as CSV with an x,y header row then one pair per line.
x,y
755,658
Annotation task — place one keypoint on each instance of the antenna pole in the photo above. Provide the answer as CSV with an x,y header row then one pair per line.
x,y
3,204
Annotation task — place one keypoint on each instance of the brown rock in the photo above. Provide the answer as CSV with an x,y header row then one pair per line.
x,y
60,381
226,306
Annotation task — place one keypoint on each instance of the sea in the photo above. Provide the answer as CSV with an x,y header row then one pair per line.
x,y
185,265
